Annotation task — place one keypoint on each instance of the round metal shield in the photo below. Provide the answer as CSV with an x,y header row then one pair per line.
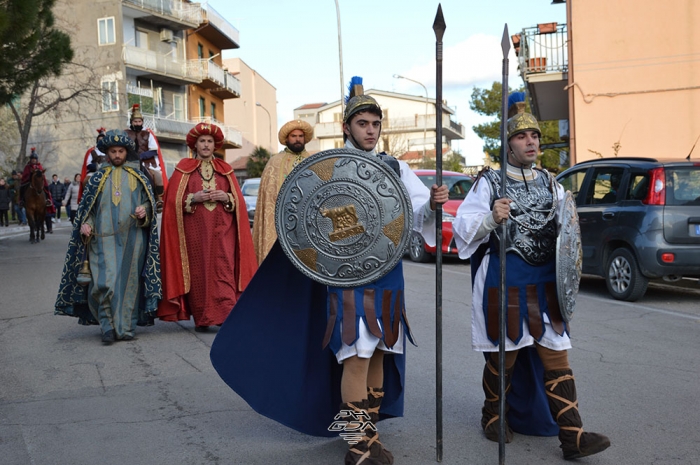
x,y
569,258
343,217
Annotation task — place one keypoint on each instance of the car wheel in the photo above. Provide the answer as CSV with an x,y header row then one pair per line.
x,y
416,248
624,280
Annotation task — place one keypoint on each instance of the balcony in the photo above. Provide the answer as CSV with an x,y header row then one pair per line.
x,y
217,30
151,65
233,139
211,76
544,67
450,129
177,15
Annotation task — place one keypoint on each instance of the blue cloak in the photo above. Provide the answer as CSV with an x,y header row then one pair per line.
x,y
273,337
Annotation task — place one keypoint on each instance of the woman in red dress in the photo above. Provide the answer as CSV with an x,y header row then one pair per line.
x,y
207,254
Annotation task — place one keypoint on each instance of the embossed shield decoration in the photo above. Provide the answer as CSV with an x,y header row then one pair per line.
x,y
569,258
343,217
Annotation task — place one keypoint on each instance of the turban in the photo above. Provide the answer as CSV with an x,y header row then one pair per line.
x,y
296,124
205,129
116,138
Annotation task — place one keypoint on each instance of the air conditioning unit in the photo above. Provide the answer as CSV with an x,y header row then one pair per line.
x,y
166,35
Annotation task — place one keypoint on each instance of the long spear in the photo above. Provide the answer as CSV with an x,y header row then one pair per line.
x,y
439,28
505,46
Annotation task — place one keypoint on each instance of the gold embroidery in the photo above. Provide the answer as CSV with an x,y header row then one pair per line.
x,y
117,185
206,171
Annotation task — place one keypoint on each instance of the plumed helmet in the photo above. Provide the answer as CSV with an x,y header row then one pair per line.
x,y
293,125
136,112
116,138
34,154
357,101
100,133
205,129
522,122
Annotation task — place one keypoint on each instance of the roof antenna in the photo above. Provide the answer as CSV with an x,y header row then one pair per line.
x,y
691,150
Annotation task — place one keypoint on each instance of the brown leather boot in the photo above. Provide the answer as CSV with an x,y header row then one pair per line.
x,y
361,443
561,392
377,450
489,413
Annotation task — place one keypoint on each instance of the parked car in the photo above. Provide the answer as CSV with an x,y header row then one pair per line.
x,y
639,218
458,184
250,189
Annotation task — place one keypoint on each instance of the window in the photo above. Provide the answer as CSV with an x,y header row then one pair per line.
x,y
202,104
573,181
200,51
142,39
105,31
178,107
605,185
338,144
212,107
211,54
110,97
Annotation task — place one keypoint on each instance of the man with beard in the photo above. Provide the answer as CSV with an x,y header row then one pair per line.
x,y
295,135
115,229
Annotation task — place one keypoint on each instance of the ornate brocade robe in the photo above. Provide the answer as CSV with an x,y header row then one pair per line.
x,y
276,171
123,254
206,248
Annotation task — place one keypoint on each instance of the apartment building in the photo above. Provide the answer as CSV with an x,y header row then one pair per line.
x,y
622,78
148,52
254,114
409,124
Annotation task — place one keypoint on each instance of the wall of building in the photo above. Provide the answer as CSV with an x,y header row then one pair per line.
x,y
636,77
243,114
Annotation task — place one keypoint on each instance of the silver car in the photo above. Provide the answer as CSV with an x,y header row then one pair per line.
x,y
250,189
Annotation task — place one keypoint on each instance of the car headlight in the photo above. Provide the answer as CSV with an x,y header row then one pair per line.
x,y
447,218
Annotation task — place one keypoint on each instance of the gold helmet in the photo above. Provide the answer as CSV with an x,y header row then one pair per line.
x,y
522,122
136,112
357,101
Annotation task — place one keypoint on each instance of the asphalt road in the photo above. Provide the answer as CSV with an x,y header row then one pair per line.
x,y
67,399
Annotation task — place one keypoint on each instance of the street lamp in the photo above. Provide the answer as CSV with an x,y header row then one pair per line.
x,y
269,122
425,119
340,60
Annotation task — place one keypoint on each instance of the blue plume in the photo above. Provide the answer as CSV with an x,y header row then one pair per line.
x,y
516,97
354,81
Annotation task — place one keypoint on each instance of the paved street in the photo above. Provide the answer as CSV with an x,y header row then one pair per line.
x,y
67,399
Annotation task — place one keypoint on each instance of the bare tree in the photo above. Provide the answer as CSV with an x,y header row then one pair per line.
x,y
54,98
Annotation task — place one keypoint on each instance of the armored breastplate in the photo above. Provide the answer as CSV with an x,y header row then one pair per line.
x,y
532,230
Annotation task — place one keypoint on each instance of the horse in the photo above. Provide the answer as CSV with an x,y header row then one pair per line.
x,y
35,205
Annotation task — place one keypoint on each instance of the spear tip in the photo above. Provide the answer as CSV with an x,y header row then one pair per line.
x,y
505,41
439,25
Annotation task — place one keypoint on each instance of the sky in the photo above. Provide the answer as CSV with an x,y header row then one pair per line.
x,y
294,46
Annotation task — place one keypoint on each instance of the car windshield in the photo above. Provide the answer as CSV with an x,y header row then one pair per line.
x,y
250,188
458,185
683,186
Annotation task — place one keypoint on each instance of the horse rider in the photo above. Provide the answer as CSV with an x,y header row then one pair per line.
x,y
33,164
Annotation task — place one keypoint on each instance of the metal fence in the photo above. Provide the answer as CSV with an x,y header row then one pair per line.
x,y
178,9
543,49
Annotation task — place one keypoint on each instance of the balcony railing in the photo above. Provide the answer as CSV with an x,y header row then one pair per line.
x,y
398,126
136,90
214,77
149,60
218,21
540,51
177,9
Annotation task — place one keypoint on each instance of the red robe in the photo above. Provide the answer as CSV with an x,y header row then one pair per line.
x,y
207,257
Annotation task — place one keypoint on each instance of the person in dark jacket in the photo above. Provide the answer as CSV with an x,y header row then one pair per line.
x,y
58,191
5,199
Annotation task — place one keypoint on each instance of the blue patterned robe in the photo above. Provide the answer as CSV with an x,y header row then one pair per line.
x,y
124,260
